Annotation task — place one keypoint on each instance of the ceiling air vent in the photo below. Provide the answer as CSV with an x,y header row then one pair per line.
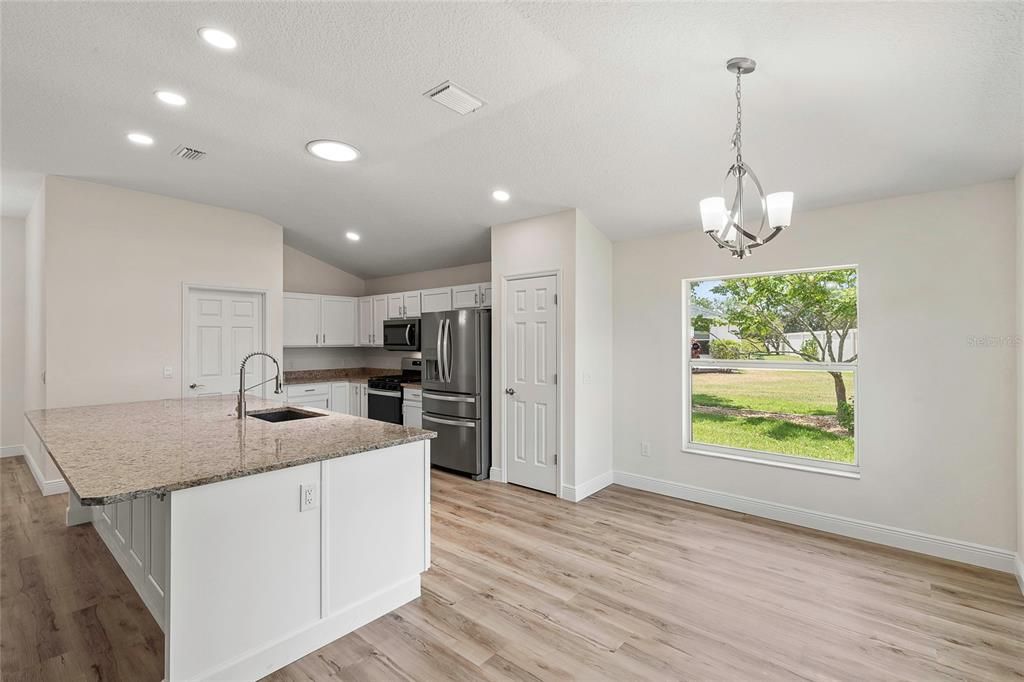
x,y
188,153
455,98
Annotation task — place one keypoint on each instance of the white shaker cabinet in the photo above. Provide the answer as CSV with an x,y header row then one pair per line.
x,y
301,319
372,313
436,300
357,399
338,321
403,305
485,295
466,296
341,397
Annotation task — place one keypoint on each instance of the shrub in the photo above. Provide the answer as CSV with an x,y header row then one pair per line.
x,y
726,349
810,348
845,416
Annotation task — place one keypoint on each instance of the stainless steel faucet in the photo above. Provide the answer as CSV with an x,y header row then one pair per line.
x,y
241,381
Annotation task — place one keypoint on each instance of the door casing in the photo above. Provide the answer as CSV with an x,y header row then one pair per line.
x,y
498,389
186,290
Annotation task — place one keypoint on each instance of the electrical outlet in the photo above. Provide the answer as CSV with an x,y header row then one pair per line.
x,y
168,372
645,448
308,497
588,378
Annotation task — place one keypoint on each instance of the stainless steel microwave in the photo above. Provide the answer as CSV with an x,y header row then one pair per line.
x,y
402,335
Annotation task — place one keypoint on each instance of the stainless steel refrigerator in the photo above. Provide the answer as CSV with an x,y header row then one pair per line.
x,y
456,347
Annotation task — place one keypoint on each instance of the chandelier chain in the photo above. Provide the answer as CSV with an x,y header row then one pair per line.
x,y
737,137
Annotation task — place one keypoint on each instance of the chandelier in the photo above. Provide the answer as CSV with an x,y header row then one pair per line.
x,y
727,226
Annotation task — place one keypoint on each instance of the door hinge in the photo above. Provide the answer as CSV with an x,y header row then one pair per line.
x,y
556,299
556,377
556,458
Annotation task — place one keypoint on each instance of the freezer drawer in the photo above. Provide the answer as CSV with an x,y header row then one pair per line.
x,y
452,405
458,445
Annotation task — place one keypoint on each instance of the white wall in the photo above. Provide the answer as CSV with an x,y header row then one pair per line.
x,y
593,386
343,358
937,421
430,279
1020,372
308,275
115,263
12,332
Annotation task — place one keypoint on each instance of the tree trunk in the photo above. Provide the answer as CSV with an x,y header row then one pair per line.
x,y
837,379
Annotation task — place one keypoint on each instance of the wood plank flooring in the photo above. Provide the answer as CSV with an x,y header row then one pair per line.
x,y
626,585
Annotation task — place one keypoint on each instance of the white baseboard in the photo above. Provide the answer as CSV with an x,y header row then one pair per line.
x,y
946,548
54,487
255,665
497,474
1019,570
585,490
12,451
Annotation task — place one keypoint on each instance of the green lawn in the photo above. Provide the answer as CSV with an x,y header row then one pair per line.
x,y
771,435
769,390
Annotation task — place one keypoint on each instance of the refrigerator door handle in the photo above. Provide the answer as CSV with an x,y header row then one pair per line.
x,y
449,353
445,340
449,398
449,422
440,367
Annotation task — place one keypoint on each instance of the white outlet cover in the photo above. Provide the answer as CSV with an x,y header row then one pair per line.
x,y
168,372
309,497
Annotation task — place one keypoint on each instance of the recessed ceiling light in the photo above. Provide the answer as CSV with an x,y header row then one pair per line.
x,y
168,97
218,38
501,195
140,138
331,150
352,236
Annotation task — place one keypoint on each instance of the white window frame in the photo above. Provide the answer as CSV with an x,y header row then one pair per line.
x,y
794,462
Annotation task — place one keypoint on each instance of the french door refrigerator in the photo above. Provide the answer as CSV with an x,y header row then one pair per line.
x,y
456,347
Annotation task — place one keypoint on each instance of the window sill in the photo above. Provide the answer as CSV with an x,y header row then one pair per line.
x,y
851,473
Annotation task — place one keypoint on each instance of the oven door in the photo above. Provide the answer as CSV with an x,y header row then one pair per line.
x,y
402,335
384,406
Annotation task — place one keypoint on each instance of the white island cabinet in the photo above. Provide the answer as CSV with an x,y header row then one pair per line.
x,y
252,543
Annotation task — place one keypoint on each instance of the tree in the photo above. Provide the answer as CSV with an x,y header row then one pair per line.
x,y
764,309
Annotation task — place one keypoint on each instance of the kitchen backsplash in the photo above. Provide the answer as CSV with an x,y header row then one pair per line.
x,y
340,358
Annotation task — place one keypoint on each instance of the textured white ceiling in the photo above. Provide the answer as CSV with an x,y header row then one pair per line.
x,y
622,110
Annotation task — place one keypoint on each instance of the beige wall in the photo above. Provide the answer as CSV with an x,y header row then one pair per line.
x,y
430,279
937,413
308,275
544,244
116,261
12,332
593,379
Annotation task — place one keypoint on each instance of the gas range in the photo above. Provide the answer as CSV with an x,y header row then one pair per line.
x,y
393,382
384,394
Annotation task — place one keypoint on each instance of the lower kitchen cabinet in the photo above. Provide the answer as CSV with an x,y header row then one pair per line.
x,y
309,395
357,400
341,398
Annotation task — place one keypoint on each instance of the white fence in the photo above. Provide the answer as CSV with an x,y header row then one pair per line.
x,y
796,339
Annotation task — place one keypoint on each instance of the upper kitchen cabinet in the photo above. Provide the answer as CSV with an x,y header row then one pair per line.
x,y
315,320
338,321
472,296
436,300
372,313
301,319
404,305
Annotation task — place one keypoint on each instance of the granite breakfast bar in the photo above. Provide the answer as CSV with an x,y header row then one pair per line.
x,y
252,543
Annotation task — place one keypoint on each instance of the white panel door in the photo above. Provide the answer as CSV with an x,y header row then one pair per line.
x,y
224,327
338,321
301,320
531,395
380,311
436,300
466,296
411,304
395,303
340,397
366,322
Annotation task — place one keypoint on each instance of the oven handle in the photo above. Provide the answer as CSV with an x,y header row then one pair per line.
x,y
449,422
388,394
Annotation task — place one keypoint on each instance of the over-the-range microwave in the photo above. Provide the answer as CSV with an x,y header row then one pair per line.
x,y
402,335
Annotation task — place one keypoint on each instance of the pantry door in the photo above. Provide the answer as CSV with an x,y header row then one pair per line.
x,y
531,391
221,328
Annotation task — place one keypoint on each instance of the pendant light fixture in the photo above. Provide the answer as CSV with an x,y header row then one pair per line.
x,y
725,223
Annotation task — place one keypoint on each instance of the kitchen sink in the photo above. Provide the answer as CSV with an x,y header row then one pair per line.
x,y
283,414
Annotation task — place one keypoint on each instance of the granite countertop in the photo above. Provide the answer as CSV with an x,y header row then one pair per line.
x,y
111,453
356,375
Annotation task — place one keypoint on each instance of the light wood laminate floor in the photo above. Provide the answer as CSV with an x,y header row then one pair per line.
x,y
625,585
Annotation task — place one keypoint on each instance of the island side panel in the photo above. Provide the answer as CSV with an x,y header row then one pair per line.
x,y
375,520
244,570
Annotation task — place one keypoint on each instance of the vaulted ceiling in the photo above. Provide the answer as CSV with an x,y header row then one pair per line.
x,y
622,110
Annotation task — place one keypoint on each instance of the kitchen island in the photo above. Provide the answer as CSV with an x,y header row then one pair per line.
x,y
252,543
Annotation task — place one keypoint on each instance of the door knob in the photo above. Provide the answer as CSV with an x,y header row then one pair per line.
x,y
193,386
510,391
